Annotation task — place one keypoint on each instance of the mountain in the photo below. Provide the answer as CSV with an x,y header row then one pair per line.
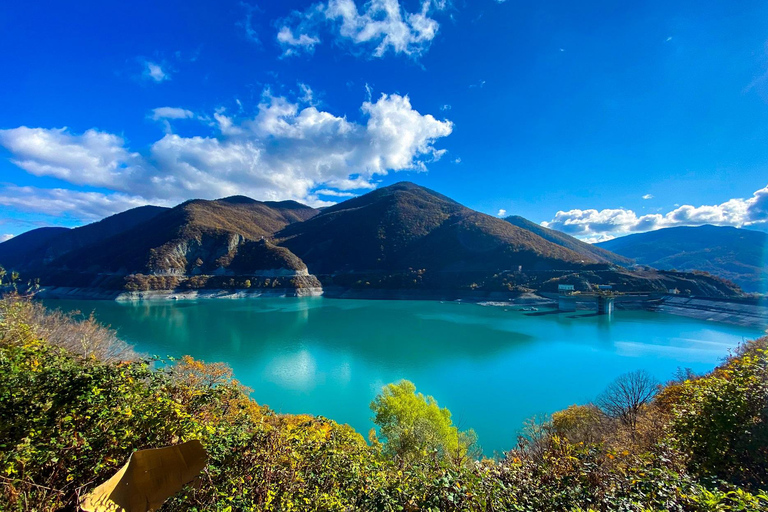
x,y
405,226
399,237
569,242
740,255
16,251
196,237
40,246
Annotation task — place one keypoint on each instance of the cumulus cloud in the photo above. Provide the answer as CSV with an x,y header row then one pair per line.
x,y
93,158
286,151
599,225
5,237
502,212
379,26
154,71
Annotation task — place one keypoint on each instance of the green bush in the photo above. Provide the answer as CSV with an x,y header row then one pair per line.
x,y
68,421
721,419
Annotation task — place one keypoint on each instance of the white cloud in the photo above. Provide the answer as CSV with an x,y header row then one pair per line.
x,y
87,206
286,151
154,71
93,158
604,224
334,193
445,107
502,212
5,238
379,25
648,196
171,113
292,45
165,114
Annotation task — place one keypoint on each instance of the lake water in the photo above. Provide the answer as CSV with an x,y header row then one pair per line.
x,y
492,366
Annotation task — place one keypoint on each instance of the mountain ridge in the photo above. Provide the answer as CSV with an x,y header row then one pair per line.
x,y
737,254
403,236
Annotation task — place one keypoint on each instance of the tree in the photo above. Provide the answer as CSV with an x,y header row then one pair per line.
x,y
625,397
414,426
3,273
14,277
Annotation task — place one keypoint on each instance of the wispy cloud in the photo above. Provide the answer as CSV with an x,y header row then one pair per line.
x,y
246,24
154,72
165,115
171,113
292,45
648,196
85,206
334,193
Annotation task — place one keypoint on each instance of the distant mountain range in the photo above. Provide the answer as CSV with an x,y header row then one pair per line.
x,y
399,237
740,255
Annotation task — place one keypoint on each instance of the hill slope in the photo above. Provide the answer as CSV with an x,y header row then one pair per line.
x,y
406,226
735,254
569,242
18,249
40,246
196,237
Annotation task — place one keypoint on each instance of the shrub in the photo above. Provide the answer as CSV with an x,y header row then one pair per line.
x,y
721,419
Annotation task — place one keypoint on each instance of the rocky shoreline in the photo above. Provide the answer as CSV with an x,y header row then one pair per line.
x,y
65,293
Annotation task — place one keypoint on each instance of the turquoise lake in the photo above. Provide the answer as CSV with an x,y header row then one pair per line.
x,y
492,366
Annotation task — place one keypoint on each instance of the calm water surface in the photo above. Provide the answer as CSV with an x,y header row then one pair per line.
x,y
492,366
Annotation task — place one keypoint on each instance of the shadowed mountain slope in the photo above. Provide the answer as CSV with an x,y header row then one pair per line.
x,y
569,242
407,226
740,255
18,249
43,245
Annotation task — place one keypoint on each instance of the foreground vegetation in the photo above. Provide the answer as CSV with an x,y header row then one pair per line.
x,y
75,402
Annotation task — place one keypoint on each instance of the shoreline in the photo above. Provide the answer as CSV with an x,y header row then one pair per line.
x,y
746,312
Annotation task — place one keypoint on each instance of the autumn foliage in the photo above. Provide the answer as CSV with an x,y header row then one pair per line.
x,y
69,419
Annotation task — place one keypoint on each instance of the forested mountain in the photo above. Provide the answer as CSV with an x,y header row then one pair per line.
x,y
569,242
407,226
740,255
396,237
43,245
18,250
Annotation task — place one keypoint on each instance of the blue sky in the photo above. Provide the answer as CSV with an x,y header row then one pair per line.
x,y
598,118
